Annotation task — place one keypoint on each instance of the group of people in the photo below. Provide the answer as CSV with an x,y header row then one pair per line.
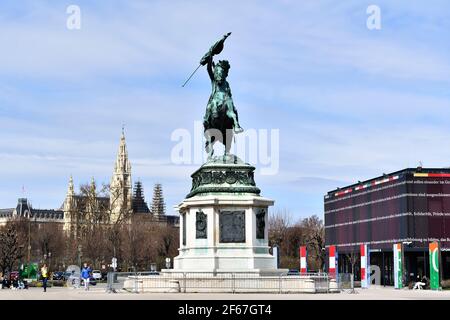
x,y
12,282
86,273
15,282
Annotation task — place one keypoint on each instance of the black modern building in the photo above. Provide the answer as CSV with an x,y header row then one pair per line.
x,y
410,206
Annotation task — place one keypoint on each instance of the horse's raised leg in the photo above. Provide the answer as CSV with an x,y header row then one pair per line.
x,y
233,116
209,145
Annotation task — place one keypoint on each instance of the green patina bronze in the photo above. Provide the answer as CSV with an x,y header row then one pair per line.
x,y
218,176
221,174
221,118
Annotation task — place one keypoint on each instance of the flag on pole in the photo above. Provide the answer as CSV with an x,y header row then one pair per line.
x,y
434,265
332,265
365,269
397,249
303,263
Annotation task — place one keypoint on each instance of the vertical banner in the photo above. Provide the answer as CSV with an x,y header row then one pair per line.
x,y
368,270
365,270
397,249
332,264
434,265
276,254
303,263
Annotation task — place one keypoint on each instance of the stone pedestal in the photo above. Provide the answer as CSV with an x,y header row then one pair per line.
x,y
223,222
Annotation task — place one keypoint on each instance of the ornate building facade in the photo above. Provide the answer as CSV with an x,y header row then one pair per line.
x,y
120,191
111,204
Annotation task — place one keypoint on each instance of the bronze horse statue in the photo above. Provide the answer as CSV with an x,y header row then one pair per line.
x,y
221,117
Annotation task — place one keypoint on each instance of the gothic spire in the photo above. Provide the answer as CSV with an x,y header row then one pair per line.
x,y
120,187
158,205
139,204
122,162
93,186
71,189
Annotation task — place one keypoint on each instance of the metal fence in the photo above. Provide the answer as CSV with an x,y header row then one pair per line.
x,y
237,282
346,282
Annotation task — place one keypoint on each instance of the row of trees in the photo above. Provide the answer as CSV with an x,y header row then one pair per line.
x,y
102,226
136,244
289,236
140,242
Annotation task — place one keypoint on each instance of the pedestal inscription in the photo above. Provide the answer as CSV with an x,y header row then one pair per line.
x,y
232,226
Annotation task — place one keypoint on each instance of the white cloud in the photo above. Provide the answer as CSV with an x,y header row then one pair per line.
x,y
350,103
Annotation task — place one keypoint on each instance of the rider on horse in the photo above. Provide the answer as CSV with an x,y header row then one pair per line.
x,y
221,114
221,98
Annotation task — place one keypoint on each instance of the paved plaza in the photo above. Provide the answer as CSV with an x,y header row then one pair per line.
x,y
99,293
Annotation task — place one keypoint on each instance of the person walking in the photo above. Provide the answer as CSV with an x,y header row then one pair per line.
x,y
85,275
44,275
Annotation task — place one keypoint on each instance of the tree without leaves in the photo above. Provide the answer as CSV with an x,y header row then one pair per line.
x,y
94,205
135,249
117,198
135,240
279,222
101,238
93,246
353,259
49,239
289,237
10,248
315,240
295,237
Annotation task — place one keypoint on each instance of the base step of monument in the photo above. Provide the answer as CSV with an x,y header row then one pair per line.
x,y
202,282
237,272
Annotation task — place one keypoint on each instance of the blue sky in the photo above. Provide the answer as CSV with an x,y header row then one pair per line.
x,y
350,103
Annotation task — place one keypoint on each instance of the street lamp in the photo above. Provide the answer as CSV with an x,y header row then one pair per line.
x,y
79,254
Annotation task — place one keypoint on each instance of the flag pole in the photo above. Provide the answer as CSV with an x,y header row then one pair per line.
x,y
191,76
